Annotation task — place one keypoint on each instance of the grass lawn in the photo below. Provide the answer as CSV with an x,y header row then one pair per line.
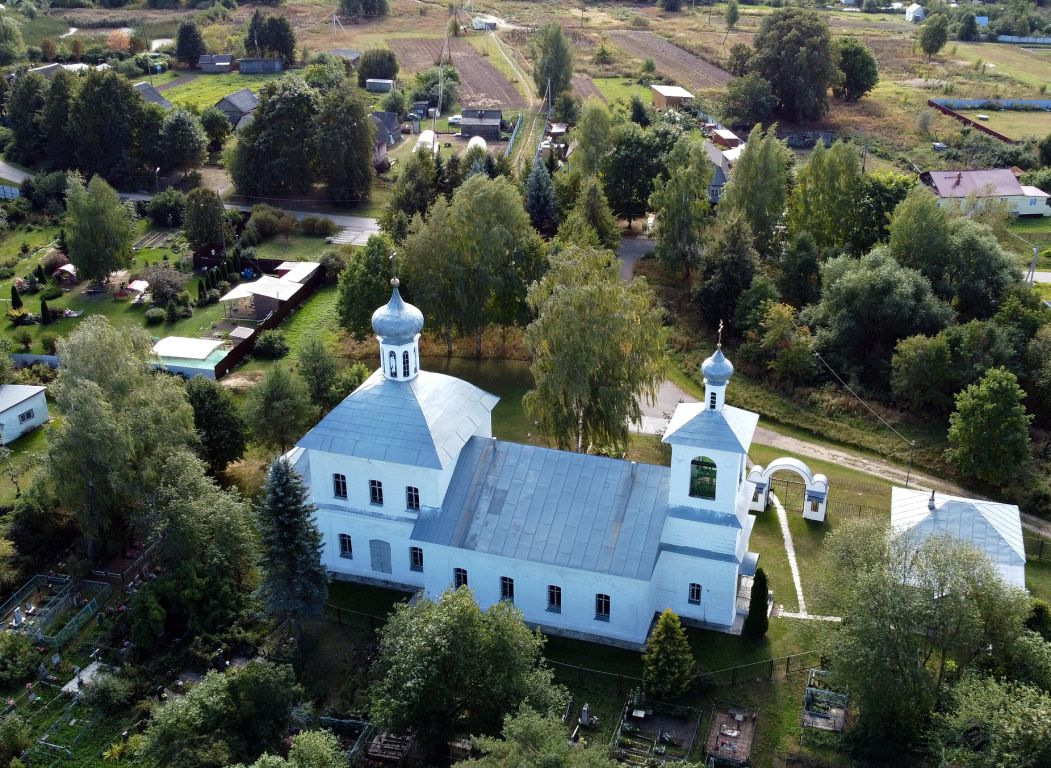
x,y
206,90
1038,578
1014,124
1024,65
766,539
34,442
621,89
848,486
298,248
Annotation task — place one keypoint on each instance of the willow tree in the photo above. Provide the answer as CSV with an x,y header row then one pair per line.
x,y
597,346
680,203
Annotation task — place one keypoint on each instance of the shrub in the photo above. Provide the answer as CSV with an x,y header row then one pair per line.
x,y
15,738
333,261
154,316
51,292
318,226
53,261
18,659
271,345
1040,619
213,296
757,621
110,693
167,208
265,220
24,339
165,282
49,342
16,316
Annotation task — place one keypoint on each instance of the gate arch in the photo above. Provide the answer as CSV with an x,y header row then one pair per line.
x,y
814,500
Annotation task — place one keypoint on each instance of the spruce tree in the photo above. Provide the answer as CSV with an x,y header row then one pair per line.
x,y
540,200
40,274
202,293
45,313
667,661
170,315
16,300
294,582
758,619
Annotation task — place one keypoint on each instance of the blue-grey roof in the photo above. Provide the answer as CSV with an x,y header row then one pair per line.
x,y
243,101
152,95
423,422
553,507
726,429
16,394
995,529
397,322
717,369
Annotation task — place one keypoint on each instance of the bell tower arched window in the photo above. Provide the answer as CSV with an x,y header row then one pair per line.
x,y
392,356
702,478
405,365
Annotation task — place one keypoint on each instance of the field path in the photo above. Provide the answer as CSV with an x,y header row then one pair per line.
x,y
181,80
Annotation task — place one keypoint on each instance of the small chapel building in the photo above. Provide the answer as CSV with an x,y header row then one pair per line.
x,y
413,492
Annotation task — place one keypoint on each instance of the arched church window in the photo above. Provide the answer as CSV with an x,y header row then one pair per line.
x,y
702,478
392,358
405,364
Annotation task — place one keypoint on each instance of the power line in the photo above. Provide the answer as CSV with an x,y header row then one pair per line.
x,y
862,401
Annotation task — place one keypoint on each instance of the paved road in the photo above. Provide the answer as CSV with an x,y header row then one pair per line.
x,y
355,229
1042,277
11,173
630,250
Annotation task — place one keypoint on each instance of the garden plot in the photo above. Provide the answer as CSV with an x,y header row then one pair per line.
x,y
481,84
584,87
652,734
686,69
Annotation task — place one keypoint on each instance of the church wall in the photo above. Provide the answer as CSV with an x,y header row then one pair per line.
x,y
361,530
671,587
395,478
631,611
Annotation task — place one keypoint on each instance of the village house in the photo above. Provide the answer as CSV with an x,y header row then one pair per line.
x,y
481,122
665,96
980,187
216,63
238,107
413,492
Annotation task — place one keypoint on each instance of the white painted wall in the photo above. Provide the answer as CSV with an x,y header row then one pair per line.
x,y
1019,205
11,428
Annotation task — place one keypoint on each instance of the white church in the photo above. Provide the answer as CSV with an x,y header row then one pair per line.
x,y
414,492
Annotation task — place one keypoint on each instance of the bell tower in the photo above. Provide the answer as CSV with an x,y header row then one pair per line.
x,y
397,325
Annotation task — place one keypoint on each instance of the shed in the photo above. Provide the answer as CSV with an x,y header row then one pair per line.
x,y
725,138
240,333
22,408
256,300
993,528
66,273
253,66
189,357
152,95
216,63
379,85
665,96
237,106
915,13
354,57
481,122
721,171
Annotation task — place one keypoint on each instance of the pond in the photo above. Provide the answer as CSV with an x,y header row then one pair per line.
x,y
507,379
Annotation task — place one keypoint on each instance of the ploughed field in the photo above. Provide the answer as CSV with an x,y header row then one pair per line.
x,y
481,84
686,69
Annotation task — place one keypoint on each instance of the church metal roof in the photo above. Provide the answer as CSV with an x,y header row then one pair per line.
x,y
423,422
726,429
993,528
554,507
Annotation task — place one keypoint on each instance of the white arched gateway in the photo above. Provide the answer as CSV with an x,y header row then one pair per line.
x,y
814,500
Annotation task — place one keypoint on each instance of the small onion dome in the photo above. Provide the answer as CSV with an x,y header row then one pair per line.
x,y
717,370
397,322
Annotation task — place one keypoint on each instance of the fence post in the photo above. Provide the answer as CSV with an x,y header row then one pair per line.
x,y
770,675
1040,555
788,665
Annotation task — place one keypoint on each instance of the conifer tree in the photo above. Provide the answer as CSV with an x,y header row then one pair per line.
x,y
202,293
294,582
667,661
40,274
758,619
170,315
16,300
45,313
540,200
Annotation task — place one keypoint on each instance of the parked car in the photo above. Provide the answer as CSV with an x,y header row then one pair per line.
x,y
455,119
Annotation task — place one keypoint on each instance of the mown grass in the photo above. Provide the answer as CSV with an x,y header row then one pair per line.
x,y
21,450
621,89
1013,123
767,540
1038,578
207,90
296,248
